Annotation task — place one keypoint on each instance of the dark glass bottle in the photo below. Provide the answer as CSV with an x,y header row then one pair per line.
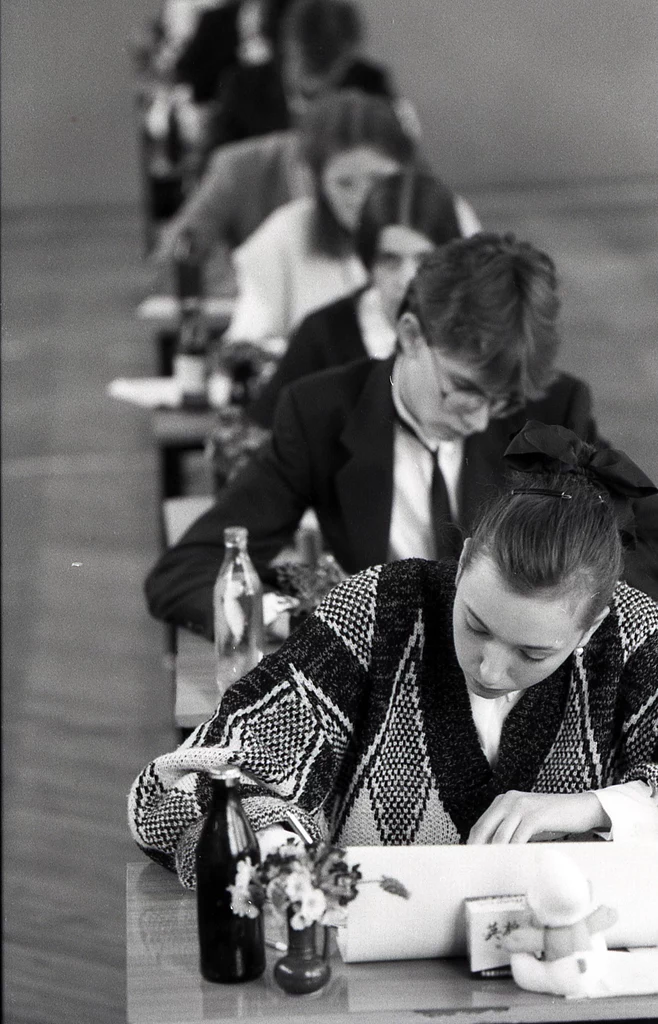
x,y
190,360
188,270
232,948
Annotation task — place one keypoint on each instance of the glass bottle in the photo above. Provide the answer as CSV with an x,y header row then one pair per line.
x,y
231,946
188,270
190,359
238,611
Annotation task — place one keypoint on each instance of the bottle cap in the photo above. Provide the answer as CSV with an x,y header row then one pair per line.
x,y
225,773
236,535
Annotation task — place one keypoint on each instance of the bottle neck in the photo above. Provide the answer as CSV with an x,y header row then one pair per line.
x,y
235,547
222,789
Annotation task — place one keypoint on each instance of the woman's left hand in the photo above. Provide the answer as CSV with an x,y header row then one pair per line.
x,y
516,817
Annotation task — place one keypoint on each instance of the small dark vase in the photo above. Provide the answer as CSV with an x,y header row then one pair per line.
x,y
302,969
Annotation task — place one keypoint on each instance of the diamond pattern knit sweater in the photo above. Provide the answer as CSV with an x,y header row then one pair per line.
x,y
362,723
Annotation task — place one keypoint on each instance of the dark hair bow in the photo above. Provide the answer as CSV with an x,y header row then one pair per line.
x,y
539,448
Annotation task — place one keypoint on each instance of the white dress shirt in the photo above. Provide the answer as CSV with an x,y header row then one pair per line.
x,y
411,533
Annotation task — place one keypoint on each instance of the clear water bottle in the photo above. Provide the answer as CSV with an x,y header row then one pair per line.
x,y
231,947
190,359
238,611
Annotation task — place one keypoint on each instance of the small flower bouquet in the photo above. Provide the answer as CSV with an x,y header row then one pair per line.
x,y
232,441
307,884
309,584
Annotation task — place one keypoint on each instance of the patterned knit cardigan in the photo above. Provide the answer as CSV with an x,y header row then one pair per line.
x,y
362,722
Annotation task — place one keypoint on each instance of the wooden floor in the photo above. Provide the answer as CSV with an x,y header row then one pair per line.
x,y
87,700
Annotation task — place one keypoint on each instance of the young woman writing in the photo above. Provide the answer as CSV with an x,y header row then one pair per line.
x,y
507,699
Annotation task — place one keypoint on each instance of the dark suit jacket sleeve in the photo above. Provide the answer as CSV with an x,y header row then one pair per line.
x,y
304,355
579,416
641,563
269,497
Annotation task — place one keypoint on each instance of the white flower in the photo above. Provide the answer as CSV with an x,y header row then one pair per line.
x,y
298,921
314,904
243,873
297,885
241,903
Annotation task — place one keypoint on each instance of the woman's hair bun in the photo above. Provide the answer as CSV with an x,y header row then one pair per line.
x,y
543,449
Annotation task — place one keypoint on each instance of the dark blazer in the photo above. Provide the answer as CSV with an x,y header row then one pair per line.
x,y
210,51
332,449
251,99
328,337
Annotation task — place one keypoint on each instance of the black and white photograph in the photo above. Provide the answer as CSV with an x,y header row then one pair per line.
x,y
329,368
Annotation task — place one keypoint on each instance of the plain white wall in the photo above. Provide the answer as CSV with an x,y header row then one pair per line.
x,y
518,91
509,91
68,125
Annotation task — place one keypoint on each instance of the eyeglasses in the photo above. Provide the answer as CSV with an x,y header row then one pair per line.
x,y
461,396
470,399
465,398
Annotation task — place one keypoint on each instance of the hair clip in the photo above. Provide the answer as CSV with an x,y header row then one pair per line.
x,y
542,490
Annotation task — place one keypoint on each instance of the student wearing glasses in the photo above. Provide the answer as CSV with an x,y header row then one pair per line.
x,y
396,456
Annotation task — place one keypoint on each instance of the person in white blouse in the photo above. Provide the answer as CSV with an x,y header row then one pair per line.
x,y
404,217
302,257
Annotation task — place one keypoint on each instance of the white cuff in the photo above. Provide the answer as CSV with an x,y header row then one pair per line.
x,y
633,811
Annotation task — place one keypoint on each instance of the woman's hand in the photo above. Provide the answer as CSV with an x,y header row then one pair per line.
x,y
515,817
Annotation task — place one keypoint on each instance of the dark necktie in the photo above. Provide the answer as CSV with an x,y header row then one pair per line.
x,y
446,534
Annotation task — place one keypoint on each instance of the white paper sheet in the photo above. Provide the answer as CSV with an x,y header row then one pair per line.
x,y
165,308
148,392
431,923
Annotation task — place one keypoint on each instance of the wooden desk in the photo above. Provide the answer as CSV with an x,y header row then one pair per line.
x,y
179,513
162,313
177,431
197,694
174,429
164,985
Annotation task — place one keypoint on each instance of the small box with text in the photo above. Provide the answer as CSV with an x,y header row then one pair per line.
x,y
489,919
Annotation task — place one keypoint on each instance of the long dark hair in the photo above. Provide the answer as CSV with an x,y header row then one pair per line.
x,y
413,199
333,124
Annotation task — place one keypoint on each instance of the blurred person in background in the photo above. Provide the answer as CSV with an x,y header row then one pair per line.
x,y
244,183
318,50
403,218
303,256
210,50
